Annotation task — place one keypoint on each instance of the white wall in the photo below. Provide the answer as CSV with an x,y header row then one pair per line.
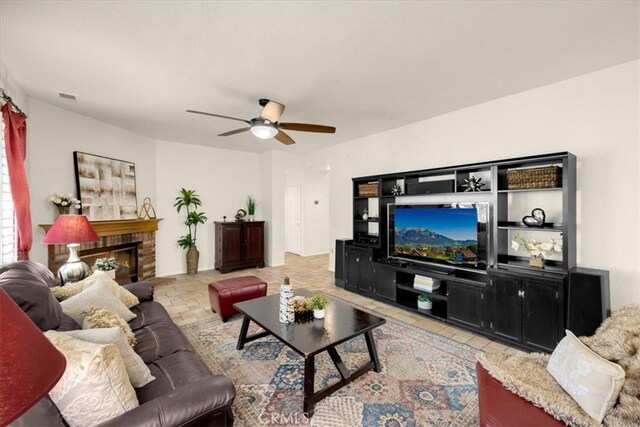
x,y
13,89
53,134
595,116
222,178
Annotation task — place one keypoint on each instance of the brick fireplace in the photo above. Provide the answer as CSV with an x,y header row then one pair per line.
x,y
131,242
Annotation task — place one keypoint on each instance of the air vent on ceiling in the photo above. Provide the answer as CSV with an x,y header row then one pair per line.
x,y
67,96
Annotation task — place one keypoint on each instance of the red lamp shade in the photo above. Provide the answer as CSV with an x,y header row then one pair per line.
x,y
71,229
29,364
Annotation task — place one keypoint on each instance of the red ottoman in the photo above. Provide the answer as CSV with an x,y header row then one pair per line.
x,y
225,293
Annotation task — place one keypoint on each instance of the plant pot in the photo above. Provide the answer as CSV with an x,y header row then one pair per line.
x,y
318,314
425,305
193,256
111,273
250,218
536,262
63,210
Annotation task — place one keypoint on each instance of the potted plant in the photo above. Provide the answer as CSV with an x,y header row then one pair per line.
x,y
425,302
189,200
64,202
317,303
251,207
108,265
537,250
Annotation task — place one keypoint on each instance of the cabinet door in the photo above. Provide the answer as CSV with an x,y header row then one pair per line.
x,y
351,268
506,319
464,304
384,282
254,251
365,272
541,318
232,244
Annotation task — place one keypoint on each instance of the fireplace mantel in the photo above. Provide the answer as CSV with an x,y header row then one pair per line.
x,y
116,228
114,236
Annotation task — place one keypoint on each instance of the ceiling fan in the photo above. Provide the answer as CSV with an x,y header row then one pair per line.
x,y
266,125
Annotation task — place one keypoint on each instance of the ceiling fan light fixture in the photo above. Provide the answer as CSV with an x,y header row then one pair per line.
x,y
264,129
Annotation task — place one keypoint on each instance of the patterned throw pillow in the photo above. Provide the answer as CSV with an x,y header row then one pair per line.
x,y
593,382
139,373
94,387
67,291
95,296
104,318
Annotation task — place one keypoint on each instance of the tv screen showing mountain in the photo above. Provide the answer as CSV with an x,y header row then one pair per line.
x,y
446,234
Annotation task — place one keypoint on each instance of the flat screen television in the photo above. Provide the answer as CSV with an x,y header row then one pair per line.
x,y
450,234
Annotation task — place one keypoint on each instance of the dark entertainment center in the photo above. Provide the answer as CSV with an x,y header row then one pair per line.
x,y
487,287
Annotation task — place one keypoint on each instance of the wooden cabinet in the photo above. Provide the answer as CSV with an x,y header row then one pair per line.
x,y
239,245
359,269
465,304
384,282
527,309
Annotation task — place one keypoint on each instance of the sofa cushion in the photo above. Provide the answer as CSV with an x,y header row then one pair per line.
x,y
160,339
95,386
103,318
593,382
172,371
68,324
69,290
99,295
138,372
148,313
34,270
43,413
27,285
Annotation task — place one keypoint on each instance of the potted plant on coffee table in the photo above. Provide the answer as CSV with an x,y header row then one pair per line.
x,y
190,200
318,303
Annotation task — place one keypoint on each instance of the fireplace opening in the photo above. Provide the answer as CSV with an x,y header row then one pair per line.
x,y
126,256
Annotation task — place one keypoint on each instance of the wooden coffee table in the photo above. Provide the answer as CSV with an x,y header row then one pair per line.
x,y
341,323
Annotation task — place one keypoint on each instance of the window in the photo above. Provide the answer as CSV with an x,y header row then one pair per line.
x,y
8,231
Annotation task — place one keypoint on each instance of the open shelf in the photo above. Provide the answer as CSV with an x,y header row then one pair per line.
x,y
510,261
528,190
512,225
440,293
367,220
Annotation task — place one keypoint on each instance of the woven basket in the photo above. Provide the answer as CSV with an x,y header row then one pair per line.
x,y
523,179
368,190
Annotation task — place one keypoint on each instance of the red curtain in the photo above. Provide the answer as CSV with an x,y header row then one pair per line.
x,y
15,140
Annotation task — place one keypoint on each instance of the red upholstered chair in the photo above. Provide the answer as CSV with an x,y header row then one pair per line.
x,y
501,408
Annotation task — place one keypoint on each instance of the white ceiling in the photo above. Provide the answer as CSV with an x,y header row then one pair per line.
x,y
364,67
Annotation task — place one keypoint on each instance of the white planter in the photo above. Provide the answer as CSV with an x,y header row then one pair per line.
x,y
318,314
425,305
111,273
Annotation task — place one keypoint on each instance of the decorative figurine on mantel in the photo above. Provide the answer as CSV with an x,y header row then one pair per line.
x,y
147,211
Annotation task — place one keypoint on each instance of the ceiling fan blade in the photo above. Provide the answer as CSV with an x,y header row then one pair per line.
x,y
272,111
284,138
233,132
306,127
218,115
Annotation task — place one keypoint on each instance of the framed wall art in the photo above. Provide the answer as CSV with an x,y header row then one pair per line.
x,y
106,187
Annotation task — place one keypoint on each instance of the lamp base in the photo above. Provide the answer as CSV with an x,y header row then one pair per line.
x,y
74,269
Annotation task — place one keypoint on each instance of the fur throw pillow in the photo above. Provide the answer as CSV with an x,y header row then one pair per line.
x,y
104,318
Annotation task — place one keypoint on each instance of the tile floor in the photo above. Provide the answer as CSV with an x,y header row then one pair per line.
x,y
186,297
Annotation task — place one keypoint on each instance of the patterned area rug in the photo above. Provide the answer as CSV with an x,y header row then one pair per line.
x,y
426,379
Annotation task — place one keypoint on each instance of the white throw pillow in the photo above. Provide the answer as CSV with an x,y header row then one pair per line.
x,y
71,289
95,296
138,372
94,387
593,382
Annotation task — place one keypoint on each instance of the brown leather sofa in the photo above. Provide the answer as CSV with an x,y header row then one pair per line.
x,y
184,393
501,408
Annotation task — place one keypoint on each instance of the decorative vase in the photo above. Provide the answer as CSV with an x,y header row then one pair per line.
x,y
425,305
286,315
536,262
250,218
365,216
111,273
63,210
193,256
318,314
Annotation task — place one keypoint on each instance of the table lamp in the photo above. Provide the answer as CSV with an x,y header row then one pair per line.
x,y
29,364
71,230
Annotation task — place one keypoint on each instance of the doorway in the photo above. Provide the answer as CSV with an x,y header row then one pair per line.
x,y
292,220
